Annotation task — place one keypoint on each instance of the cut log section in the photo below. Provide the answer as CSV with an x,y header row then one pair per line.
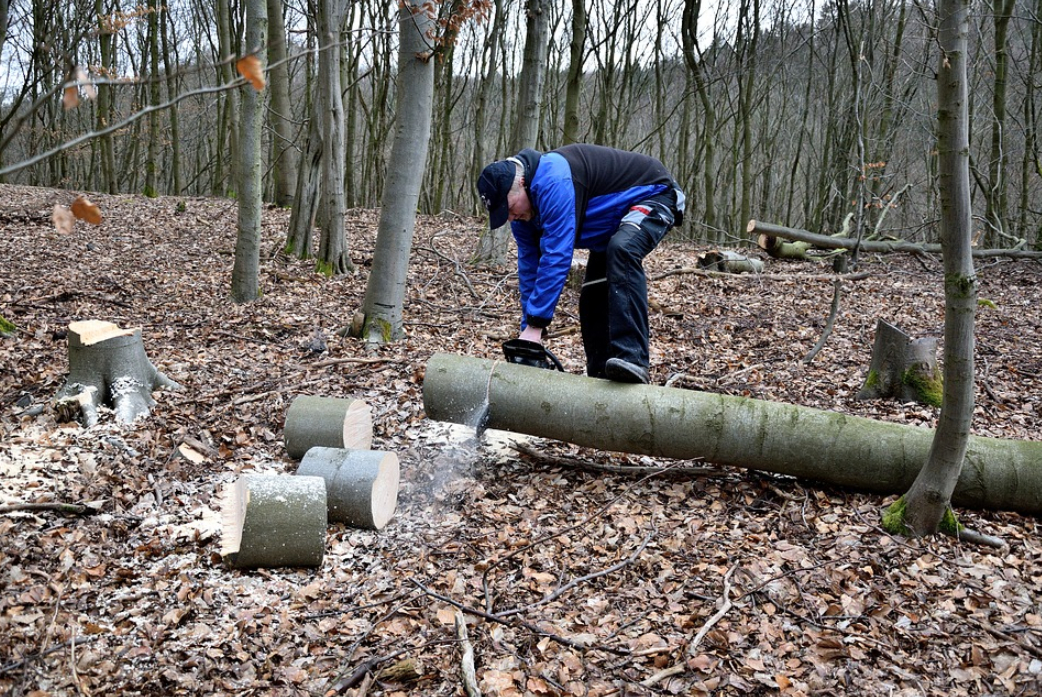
x,y
108,366
329,422
361,485
727,261
903,368
273,521
686,424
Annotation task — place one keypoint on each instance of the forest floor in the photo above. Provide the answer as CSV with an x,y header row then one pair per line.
x,y
591,582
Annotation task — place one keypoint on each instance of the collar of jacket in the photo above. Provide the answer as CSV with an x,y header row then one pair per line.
x,y
529,160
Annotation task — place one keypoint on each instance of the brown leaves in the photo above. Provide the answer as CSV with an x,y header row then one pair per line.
x,y
64,219
77,81
252,70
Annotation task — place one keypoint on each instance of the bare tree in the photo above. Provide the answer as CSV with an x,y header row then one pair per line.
x,y
283,146
246,270
385,289
923,508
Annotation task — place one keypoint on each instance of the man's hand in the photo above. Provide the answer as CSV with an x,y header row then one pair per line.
x,y
532,334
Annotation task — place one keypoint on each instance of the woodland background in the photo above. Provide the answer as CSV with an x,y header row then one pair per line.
x,y
797,113
594,572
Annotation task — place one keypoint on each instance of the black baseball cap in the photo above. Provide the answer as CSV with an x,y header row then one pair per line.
x,y
494,184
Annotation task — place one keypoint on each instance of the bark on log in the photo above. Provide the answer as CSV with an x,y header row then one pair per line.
x,y
361,485
779,249
903,368
329,422
874,246
274,520
685,424
108,366
727,261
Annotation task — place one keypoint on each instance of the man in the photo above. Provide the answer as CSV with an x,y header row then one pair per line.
x,y
617,204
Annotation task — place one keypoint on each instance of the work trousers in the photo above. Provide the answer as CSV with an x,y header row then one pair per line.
x,y
613,304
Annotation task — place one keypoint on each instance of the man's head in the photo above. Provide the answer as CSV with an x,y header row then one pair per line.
x,y
502,191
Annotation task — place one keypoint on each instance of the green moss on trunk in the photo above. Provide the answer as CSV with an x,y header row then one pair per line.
x,y
894,517
929,387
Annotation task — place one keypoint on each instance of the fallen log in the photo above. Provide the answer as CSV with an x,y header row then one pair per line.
x,y
873,246
727,261
327,421
361,485
685,424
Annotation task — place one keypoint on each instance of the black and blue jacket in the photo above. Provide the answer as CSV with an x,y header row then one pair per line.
x,y
579,195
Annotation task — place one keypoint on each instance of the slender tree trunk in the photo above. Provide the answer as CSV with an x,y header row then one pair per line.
x,y
284,154
493,245
228,123
931,493
169,64
246,271
333,257
104,112
574,83
996,195
385,289
696,66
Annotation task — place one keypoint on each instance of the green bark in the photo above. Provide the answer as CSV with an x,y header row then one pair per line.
x,y
685,424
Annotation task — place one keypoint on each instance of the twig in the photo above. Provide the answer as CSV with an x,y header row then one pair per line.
x,y
66,508
724,608
578,464
466,668
79,641
837,291
339,361
517,623
861,275
977,537
583,579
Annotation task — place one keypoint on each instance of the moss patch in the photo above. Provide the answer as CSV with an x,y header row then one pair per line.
x,y
894,517
7,328
950,525
928,387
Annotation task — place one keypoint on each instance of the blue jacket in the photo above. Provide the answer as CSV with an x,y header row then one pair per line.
x,y
579,195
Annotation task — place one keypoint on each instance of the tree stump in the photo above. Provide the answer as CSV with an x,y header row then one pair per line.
x,y
361,485
108,366
327,422
903,368
274,520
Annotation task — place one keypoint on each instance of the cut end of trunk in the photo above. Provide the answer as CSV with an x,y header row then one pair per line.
x,y
94,331
362,485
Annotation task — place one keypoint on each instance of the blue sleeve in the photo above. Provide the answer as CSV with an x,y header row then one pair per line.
x,y
554,194
527,261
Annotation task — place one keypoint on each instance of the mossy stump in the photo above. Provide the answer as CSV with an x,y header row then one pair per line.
x,y
903,368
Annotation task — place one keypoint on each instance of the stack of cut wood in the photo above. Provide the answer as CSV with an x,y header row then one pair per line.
x,y
281,520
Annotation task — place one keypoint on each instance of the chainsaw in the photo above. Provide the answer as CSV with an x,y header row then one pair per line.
x,y
531,353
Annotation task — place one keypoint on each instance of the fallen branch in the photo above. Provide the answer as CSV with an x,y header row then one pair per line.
x,y
65,508
535,629
874,246
583,579
584,465
724,608
466,668
688,270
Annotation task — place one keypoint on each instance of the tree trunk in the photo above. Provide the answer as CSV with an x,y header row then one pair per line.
x,y
574,83
305,203
328,422
333,257
284,153
493,245
273,520
931,494
246,270
361,485
685,424
108,366
385,289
